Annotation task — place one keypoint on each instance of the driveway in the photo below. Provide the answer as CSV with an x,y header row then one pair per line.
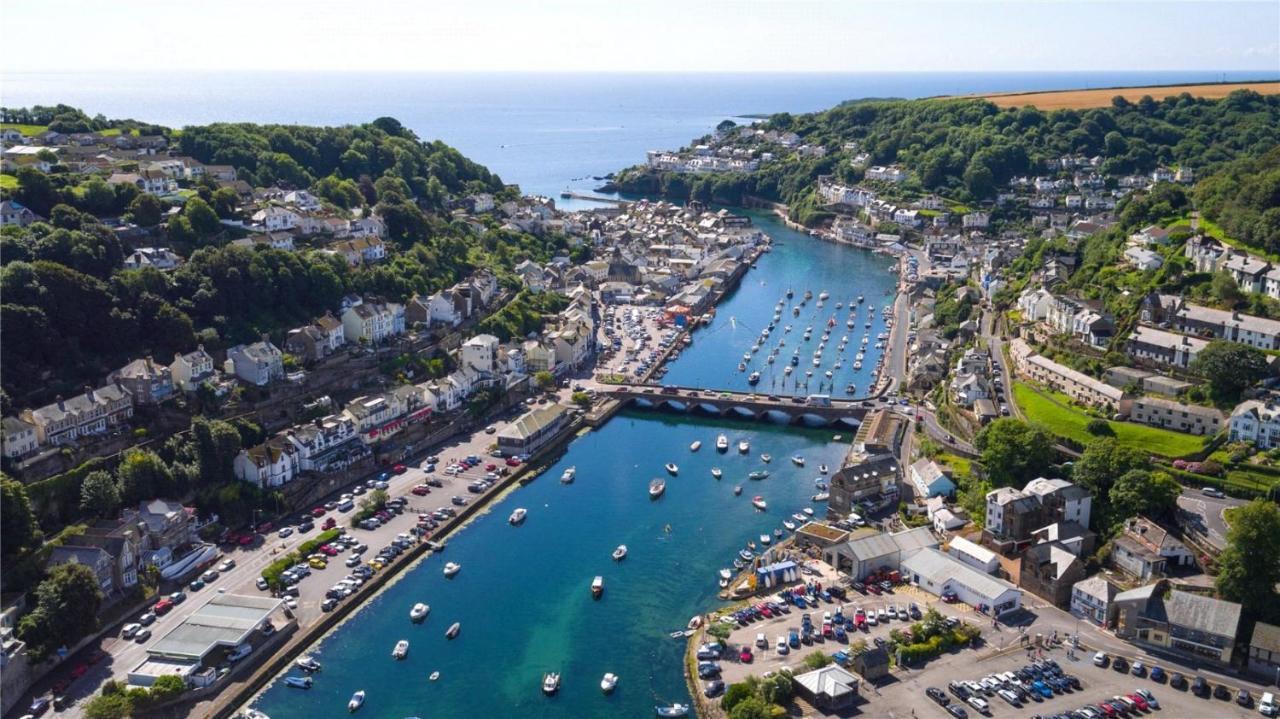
x,y
1206,514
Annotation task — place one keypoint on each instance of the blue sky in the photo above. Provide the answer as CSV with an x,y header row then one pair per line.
x,y
640,36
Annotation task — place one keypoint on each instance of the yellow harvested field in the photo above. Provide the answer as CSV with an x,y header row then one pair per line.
x,y
1080,99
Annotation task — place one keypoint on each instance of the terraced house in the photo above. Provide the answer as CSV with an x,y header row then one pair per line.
x,y
1180,417
95,412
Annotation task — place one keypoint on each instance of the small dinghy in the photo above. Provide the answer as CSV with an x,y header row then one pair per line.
x,y
357,701
298,682
550,683
609,682
434,676
620,553
737,490
401,649
307,664
697,445
672,469
419,612
715,472
453,630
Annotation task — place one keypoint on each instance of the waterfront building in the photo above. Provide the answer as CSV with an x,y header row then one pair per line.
x,y
532,430
829,689
866,555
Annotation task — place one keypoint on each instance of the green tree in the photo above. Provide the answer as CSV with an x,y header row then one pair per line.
x,y
108,706
143,475
751,708
1230,368
1249,567
720,630
1013,451
544,379
777,689
99,494
1103,462
66,609
1138,491
217,444
204,221
146,210
167,687
18,527
224,202
817,660
739,692
582,399
1224,287
35,190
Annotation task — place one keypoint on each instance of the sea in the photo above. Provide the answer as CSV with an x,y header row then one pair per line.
x,y
523,597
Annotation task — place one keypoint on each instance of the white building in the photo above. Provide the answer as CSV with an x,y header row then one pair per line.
x,y
1256,421
1091,598
373,322
975,555
939,573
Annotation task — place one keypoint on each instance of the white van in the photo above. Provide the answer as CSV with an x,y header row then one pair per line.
x,y
1267,706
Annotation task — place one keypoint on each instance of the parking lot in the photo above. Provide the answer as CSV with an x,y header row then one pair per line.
x,y
631,337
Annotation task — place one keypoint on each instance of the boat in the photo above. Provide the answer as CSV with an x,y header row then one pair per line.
x,y
745,554
744,446
357,701
307,663
800,518
737,490
789,369
298,682
777,532
401,649
742,366
597,586
808,511
823,295
797,460
620,553
808,294
608,683
672,469
568,476
722,443
715,472
790,525
766,458
795,311
753,378
453,630
790,293
860,298
550,683
656,488
434,676
517,517
675,710
821,497
765,539
822,469
196,558
251,714
758,475
726,574
738,564
759,503
452,568
419,612
697,445
828,374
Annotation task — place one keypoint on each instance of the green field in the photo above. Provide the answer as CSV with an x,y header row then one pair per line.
x,y
8,182
28,130
1069,422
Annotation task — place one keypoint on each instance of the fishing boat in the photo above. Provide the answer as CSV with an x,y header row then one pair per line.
x,y
759,503
597,587
401,649
722,443
550,683
765,539
766,458
822,469
674,710
737,490
758,475
715,472
357,701
419,612
697,445
797,460
753,378
568,476
307,663
672,468
790,525
452,568
820,497
609,682
453,630
517,517
298,682
620,553
744,446
656,488
745,554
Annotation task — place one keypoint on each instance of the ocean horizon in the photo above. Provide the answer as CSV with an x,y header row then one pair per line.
x,y
546,132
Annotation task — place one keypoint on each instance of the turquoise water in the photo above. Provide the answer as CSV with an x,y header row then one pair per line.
x,y
801,263
523,593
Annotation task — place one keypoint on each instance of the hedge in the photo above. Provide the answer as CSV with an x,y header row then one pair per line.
x,y
57,499
272,571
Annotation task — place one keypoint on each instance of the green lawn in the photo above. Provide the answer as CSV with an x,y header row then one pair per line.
x,y
28,130
960,466
8,182
1070,422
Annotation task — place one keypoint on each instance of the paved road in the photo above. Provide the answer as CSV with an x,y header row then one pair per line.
x,y
1208,512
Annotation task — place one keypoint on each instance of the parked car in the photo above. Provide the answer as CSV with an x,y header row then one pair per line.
x,y
130,630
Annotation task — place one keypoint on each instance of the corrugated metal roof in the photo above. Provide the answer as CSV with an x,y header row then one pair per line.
x,y
226,619
938,568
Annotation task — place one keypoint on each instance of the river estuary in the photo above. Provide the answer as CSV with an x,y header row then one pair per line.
x,y
523,596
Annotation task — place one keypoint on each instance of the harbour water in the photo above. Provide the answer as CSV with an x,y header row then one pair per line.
x,y
799,263
523,595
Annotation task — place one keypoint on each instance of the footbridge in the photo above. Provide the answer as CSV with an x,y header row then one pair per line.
x,y
741,405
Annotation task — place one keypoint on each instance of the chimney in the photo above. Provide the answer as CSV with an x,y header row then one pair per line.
x,y
61,404
88,392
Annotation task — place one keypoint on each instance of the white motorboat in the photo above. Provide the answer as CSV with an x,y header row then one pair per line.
x,y
766,458
357,701
797,460
453,630
800,518
744,446
765,539
298,682
550,683
737,490
715,472
434,676
517,517
672,469
620,553
808,511
790,525
597,586
824,295
822,469
568,475
753,378
697,445
759,503
722,443
788,370
252,714
609,682
656,488
401,649
821,497
451,568
675,710
419,612
726,574
307,663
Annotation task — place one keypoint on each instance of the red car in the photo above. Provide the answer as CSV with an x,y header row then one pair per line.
x,y
245,540
162,607
420,490
328,551
1139,700
398,469
317,512
513,462
490,467
329,523
1106,709
265,527
874,589
746,657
